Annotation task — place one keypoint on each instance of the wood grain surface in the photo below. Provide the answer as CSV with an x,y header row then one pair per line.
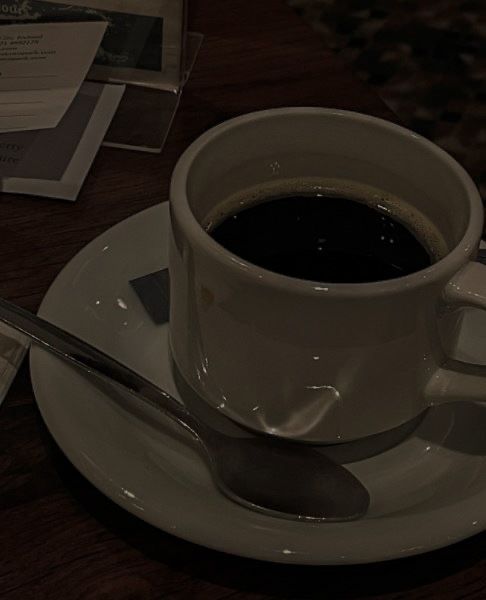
x,y
60,537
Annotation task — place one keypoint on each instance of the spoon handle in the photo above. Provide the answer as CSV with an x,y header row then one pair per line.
x,y
74,350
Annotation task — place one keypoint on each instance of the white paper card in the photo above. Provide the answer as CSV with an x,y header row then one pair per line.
x,y
42,66
13,347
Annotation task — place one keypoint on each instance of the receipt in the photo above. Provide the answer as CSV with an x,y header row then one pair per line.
x,y
42,66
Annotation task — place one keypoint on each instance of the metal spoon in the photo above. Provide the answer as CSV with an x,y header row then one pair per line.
x,y
269,475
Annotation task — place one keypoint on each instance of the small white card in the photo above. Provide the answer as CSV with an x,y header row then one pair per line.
x,y
42,66
144,40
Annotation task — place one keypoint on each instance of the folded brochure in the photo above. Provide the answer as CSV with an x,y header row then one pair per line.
x,y
54,162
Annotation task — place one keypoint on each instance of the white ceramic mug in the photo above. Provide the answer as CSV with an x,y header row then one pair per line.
x,y
309,360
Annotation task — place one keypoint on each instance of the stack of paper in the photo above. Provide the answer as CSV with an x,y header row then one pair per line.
x,y
55,162
51,123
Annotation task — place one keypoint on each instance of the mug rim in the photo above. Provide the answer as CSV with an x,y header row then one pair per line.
x,y
442,269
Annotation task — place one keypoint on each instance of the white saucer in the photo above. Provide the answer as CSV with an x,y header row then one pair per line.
x,y
427,492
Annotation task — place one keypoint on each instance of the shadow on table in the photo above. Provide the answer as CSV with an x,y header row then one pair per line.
x,y
250,577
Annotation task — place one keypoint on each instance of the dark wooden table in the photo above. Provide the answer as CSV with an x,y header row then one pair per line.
x,y
60,537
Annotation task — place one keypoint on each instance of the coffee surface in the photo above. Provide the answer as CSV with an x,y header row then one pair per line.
x,y
321,238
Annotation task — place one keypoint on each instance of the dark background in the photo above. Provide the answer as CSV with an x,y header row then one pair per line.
x,y
425,58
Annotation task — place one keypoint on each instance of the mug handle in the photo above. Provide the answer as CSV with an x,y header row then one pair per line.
x,y
456,380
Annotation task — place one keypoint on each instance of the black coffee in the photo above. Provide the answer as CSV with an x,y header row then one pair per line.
x,y
325,239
